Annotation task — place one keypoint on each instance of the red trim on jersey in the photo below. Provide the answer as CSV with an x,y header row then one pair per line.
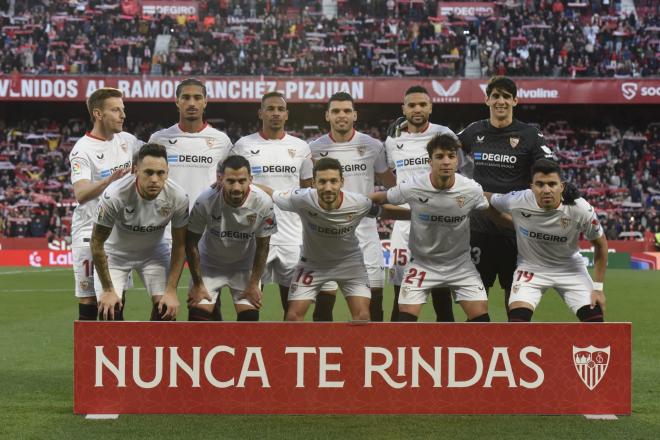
x,y
350,139
89,133
206,124
261,133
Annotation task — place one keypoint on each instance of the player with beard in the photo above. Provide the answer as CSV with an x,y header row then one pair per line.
x,y
362,159
281,162
232,223
407,156
503,150
102,156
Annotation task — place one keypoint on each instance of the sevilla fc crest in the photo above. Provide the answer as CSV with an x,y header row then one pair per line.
x,y
460,201
251,218
565,222
514,141
361,150
591,364
292,152
124,147
165,211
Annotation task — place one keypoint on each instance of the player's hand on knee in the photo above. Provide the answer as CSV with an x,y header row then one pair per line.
x,y
196,294
106,305
168,306
598,297
253,294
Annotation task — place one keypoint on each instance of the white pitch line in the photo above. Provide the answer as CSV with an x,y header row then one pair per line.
x,y
32,272
601,417
102,416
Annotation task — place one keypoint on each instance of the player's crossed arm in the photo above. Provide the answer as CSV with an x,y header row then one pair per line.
x,y
499,218
387,210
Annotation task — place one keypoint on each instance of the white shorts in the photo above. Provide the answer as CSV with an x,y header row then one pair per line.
x,y
215,280
153,271
574,287
351,276
372,252
464,282
280,264
400,253
83,270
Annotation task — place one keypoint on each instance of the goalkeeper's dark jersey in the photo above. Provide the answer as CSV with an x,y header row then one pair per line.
x,y
502,159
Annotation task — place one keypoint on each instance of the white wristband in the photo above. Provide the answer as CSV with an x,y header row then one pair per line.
x,y
598,286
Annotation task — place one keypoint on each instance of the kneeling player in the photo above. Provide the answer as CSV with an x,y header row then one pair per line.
x,y
331,251
440,205
132,216
548,222
234,221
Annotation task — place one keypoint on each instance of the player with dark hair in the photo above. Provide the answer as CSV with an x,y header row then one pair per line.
x,y
128,234
234,222
407,156
503,150
331,251
282,162
548,221
362,159
440,204
102,156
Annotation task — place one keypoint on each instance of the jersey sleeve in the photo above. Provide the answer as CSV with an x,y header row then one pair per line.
x,y
539,148
81,168
380,164
589,223
106,211
197,218
180,216
502,202
388,155
396,194
465,138
306,166
136,144
285,199
268,225
481,202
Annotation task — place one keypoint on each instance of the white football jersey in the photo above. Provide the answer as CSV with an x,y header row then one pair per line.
x,y
360,158
328,236
138,224
228,232
407,154
193,157
280,164
95,159
439,218
548,240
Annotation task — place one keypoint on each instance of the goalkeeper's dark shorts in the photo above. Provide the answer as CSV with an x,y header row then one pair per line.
x,y
495,256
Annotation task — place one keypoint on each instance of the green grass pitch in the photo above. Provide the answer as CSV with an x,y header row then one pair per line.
x,y
36,374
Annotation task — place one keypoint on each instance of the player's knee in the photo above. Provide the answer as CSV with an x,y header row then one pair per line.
x,y
484,317
587,314
293,316
323,307
520,314
87,312
197,314
248,315
407,317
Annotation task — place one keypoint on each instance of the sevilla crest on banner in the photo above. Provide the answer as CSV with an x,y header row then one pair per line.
x,y
591,364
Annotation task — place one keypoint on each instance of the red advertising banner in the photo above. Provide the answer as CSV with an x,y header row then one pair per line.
x,y
171,8
309,90
339,368
36,258
466,9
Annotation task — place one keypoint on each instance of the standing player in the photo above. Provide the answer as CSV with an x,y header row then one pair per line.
x,y
548,223
132,215
194,148
407,155
280,161
504,150
330,251
100,157
440,205
362,157
234,221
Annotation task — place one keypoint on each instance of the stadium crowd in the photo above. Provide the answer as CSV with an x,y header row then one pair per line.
x,y
392,38
616,169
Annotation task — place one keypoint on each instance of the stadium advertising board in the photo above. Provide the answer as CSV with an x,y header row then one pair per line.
x,y
36,258
309,90
341,368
